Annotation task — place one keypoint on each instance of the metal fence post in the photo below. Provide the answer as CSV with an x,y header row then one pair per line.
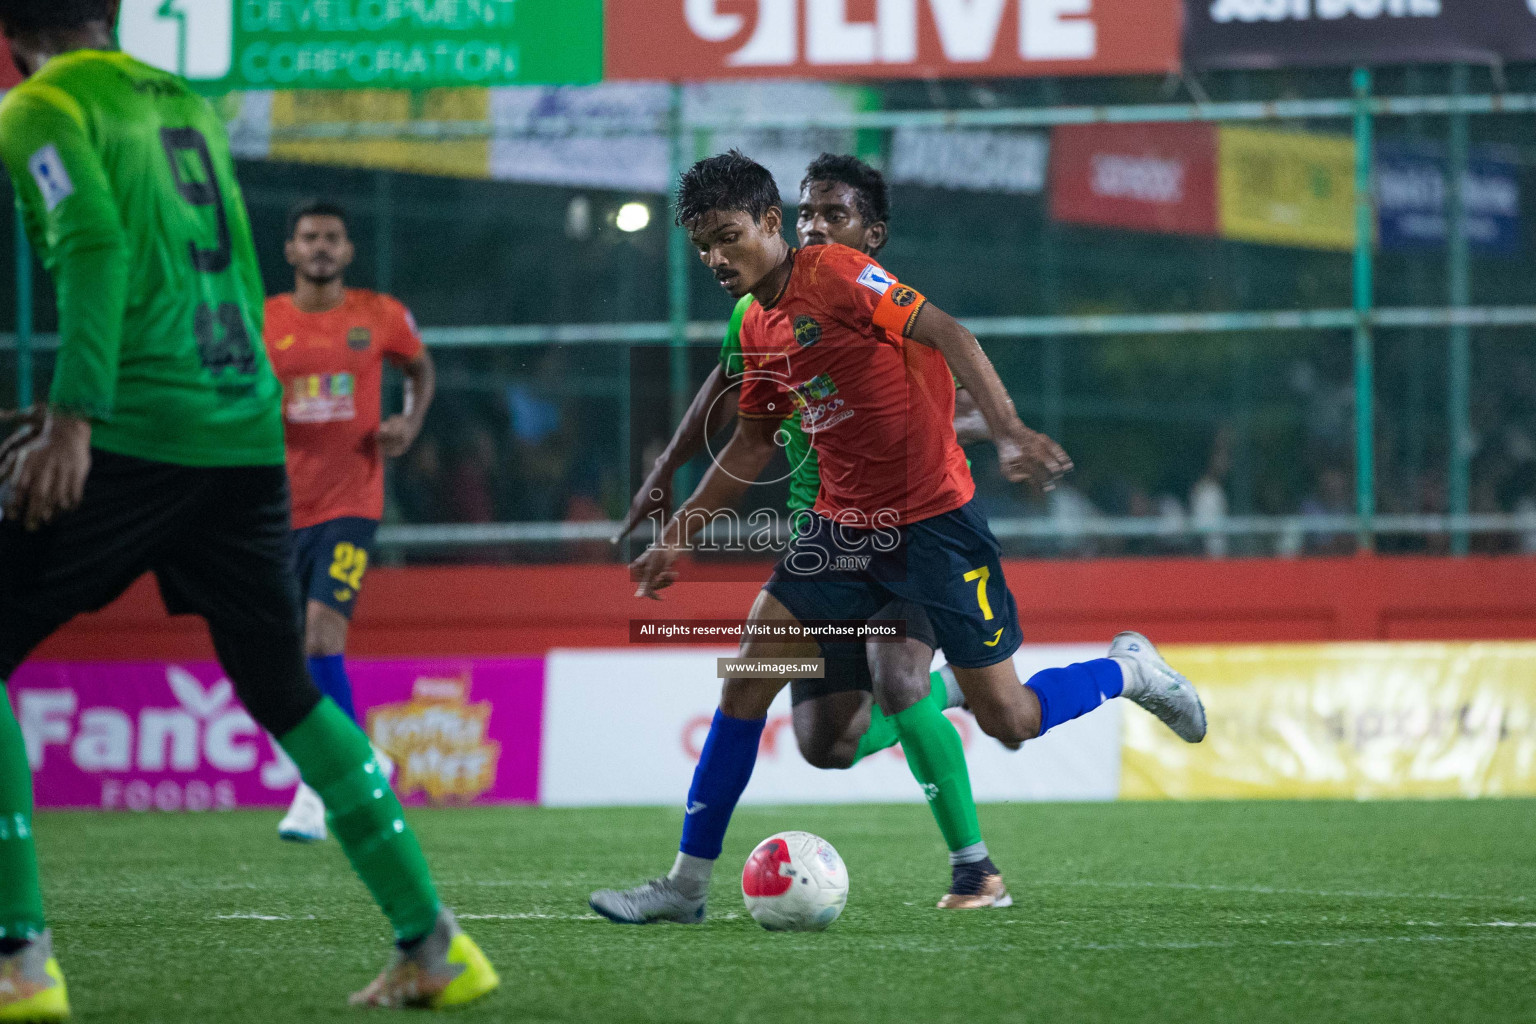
x,y
677,267
1459,401
23,315
1365,237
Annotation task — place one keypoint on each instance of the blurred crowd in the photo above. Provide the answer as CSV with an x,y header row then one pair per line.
x,y
513,450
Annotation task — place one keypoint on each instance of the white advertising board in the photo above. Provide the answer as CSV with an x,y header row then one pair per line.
x,y
624,726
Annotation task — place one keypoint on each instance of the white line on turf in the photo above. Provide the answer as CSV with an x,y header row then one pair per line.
x,y
262,917
1267,890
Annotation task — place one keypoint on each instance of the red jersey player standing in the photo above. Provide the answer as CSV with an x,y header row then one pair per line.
x,y
328,344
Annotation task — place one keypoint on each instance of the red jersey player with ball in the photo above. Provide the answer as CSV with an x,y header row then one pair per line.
x,y
328,344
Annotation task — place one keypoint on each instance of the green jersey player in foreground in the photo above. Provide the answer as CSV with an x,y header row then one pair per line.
x,y
160,449
837,722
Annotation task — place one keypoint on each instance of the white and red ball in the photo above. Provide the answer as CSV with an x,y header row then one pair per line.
x,y
794,882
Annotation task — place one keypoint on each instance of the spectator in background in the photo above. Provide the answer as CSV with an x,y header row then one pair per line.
x,y
420,486
1208,498
1331,496
472,482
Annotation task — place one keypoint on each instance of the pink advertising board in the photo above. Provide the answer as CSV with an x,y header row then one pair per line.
x,y
156,736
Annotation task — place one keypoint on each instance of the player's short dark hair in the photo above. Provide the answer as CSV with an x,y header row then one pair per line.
x,y
41,15
871,195
729,181
310,208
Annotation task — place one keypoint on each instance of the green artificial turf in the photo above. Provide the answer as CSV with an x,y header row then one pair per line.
x,y
1125,912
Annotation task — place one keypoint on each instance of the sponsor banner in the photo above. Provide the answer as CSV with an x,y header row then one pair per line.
x,y
294,111
221,45
1413,205
151,736
1146,177
690,40
970,159
1286,188
625,726
1292,33
1353,721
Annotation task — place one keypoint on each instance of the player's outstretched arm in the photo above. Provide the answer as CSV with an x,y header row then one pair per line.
x,y
726,480
1024,454
709,411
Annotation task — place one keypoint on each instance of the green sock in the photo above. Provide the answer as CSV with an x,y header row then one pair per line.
x,y
334,758
882,733
937,759
21,895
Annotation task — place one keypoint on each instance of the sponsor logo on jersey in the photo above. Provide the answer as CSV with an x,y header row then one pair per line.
x,y
359,338
876,280
320,398
820,407
52,179
807,331
903,296
817,388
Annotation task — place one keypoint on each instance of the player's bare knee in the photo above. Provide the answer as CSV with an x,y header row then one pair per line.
x,y
749,698
900,674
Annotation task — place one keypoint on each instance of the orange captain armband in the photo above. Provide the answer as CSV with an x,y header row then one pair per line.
x,y
898,308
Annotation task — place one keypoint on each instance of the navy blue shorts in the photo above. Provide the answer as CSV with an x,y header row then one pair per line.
x,y
330,559
950,565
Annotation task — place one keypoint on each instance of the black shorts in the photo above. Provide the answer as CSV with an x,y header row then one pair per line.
x,y
847,664
949,565
330,559
216,539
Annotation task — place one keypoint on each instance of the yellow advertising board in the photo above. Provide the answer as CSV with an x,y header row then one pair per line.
x,y
457,158
1286,188
1352,721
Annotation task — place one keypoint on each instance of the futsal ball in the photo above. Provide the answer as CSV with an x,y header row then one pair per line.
x,y
794,882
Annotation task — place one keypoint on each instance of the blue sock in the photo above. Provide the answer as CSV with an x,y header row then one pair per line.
x,y
1071,692
725,768
330,674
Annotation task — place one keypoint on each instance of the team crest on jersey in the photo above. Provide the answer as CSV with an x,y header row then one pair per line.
x,y
876,280
807,331
903,296
359,338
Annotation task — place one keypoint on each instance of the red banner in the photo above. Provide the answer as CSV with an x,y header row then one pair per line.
x,y
691,40
9,76
1147,177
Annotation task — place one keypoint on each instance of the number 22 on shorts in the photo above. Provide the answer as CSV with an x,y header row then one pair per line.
x,y
349,564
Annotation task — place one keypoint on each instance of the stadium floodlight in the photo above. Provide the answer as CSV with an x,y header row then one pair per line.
x,y
633,217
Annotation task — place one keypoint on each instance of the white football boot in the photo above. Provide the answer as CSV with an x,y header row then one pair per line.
x,y
654,901
305,820
1153,684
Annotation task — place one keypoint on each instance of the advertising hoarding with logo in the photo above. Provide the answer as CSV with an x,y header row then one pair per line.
x,y
691,40
1146,177
151,736
1312,33
625,726
1286,188
1413,200
347,44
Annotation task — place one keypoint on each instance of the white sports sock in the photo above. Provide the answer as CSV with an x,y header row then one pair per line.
x,y
691,875
1130,672
953,697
